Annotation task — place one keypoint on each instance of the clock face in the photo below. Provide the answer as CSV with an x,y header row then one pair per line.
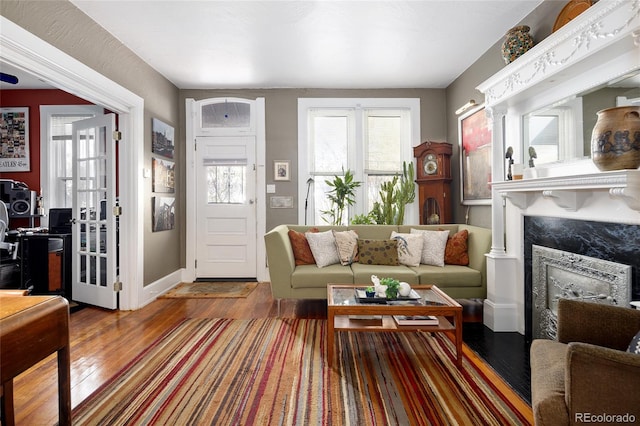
x,y
430,164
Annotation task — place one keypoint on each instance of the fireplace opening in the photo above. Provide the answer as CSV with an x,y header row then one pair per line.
x,y
611,242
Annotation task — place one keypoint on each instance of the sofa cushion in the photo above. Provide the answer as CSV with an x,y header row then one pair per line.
x,y
548,360
308,276
456,251
362,273
301,250
634,346
347,246
409,248
378,252
448,276
323,247
434,246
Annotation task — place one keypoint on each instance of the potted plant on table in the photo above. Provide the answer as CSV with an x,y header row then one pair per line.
x,y
392,287
370,291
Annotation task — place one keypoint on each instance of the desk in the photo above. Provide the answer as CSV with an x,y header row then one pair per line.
x,y
32,328
45,271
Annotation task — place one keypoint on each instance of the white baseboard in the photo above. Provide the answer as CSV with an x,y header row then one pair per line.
x,y
500,316
159,287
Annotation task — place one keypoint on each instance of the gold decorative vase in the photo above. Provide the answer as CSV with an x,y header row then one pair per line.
x,y
615,142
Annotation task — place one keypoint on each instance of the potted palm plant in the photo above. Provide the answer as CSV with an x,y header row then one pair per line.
x,y
341,196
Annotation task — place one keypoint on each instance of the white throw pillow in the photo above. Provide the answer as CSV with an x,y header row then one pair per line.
x,y
435,243
347,246
323,247
409,248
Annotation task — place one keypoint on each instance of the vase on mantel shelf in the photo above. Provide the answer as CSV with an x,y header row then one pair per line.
x,y
615,141
517,42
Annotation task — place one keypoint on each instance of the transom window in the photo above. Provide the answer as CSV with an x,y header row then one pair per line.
x,y
369,137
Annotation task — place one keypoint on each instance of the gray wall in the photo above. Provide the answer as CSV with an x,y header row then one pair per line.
x,y
282,126
62,25
463,89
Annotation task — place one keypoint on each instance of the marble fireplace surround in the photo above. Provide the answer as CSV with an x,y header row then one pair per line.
x,y
578,215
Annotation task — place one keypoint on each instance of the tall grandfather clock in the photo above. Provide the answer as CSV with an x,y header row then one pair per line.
x,y
434,182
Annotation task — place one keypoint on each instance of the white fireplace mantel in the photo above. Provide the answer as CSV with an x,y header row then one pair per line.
x,y
570,192
600,45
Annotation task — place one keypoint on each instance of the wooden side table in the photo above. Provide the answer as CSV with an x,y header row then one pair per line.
x,y
32,328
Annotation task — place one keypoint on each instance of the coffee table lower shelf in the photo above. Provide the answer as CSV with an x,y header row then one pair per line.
x,y
388,324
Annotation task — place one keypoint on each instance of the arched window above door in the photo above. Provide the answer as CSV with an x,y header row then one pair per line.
x,y
222,115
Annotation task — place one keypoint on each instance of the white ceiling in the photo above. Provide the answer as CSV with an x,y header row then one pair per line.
x,y
308,44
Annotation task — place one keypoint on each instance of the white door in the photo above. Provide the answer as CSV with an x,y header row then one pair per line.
x,y
225,206
94,224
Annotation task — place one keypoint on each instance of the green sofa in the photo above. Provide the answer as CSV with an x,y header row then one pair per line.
x,y
289,281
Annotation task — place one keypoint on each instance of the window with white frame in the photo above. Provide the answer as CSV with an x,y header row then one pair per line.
x,y
369,137
57,150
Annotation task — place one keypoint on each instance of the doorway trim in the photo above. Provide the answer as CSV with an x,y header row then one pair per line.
x,y
31,54
191,106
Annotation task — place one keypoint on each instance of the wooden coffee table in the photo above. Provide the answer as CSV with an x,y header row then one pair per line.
x,y
343,303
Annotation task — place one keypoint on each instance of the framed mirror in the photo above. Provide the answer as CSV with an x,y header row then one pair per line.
x,y
562,131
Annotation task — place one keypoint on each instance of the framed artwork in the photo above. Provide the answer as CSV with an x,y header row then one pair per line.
x,y
164,212
281,170
164,172
281,202
475,157
162,142
14,140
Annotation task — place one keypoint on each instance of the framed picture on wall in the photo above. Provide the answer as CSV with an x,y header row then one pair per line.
x,y
162,142
164,212
281,170
14,140
163,175
474,135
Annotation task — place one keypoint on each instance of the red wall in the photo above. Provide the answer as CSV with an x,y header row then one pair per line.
x,y
33,99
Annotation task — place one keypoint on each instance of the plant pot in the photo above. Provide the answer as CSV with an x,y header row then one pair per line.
x,y
615,141
370,293
517,42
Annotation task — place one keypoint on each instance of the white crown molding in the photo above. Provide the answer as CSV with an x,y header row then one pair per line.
x,y
604,25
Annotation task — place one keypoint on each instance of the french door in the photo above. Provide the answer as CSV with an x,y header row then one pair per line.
x,y
94,225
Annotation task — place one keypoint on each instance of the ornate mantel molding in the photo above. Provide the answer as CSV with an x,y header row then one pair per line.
x,y
600,26
570,192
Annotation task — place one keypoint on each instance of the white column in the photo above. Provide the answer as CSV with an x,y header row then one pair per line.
x,y
500,309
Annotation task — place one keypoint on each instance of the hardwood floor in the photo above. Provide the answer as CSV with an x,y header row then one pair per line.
x,y
103,342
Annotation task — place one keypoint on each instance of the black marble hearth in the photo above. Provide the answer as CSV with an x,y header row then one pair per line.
x,y
614,242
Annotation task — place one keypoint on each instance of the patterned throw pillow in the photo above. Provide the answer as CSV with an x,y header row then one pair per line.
x,y
301,250
457,250
634,346
323,247
435,243
378,252
409,248
347,246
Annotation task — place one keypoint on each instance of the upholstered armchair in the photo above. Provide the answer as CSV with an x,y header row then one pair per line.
x,y
587,371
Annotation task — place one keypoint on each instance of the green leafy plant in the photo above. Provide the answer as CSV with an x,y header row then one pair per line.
x,y
341,195
364,219
392,287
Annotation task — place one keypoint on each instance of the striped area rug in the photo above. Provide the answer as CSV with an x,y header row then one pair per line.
x,y
273,372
